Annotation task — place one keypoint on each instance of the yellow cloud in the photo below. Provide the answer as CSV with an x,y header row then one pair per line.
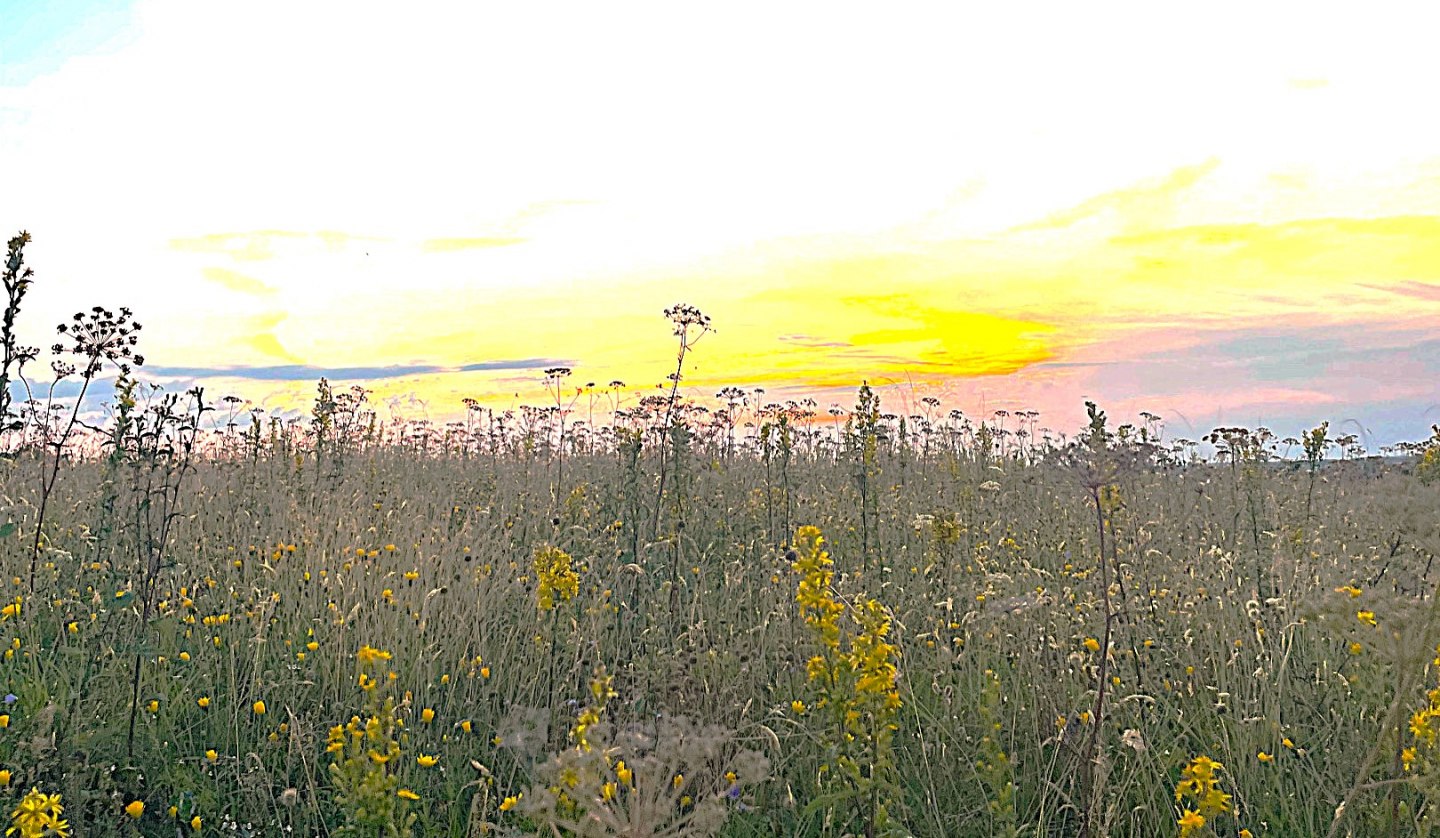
x,y
259,245
1321,266
453,244
1137,207
246,247
237,282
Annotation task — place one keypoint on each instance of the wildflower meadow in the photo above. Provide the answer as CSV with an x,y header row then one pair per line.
x,y
692,614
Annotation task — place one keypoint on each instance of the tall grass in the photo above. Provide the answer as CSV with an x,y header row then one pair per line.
x,y
1067,628
990,567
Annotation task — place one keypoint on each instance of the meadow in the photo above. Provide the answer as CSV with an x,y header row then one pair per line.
x,y
671,620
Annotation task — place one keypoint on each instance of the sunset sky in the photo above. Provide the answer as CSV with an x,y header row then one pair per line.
x,y
1228,215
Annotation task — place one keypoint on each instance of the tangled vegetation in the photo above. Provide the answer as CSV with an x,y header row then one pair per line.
x,y
750,621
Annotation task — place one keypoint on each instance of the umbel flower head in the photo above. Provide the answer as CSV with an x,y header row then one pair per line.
x,y
98,336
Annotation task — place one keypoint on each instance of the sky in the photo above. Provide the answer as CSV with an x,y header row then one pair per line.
x,y
1226,214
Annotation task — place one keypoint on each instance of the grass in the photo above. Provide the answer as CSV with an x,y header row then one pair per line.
x,y
690,623
277,571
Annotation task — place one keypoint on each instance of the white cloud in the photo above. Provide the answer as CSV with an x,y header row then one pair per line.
x,y
687,131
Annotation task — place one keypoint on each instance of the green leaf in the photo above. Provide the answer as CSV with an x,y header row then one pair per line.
x,y
8,529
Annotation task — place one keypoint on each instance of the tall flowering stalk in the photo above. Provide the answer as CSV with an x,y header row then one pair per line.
x,y
366,759
854,677
556,579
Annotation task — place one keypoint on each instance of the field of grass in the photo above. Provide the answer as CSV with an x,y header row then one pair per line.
x,y
1027,643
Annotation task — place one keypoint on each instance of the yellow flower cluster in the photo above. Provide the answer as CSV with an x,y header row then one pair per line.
x,y
855,679
818,608
602,691
872,658
1199,794
1424,728
369,655
38,815
366,759
558,581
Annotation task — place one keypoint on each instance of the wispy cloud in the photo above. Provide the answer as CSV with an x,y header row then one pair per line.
x,y
475,243
1141,205
247,247
261,245
237,282
1409,288
305,372
808,340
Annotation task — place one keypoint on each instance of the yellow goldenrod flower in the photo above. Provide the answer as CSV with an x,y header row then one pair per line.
x,y
196,823
1264,757
203,701
4,777
426,760
509,803
427,715
406,794
1092,644
1190,822
555,576
258,707
135,809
